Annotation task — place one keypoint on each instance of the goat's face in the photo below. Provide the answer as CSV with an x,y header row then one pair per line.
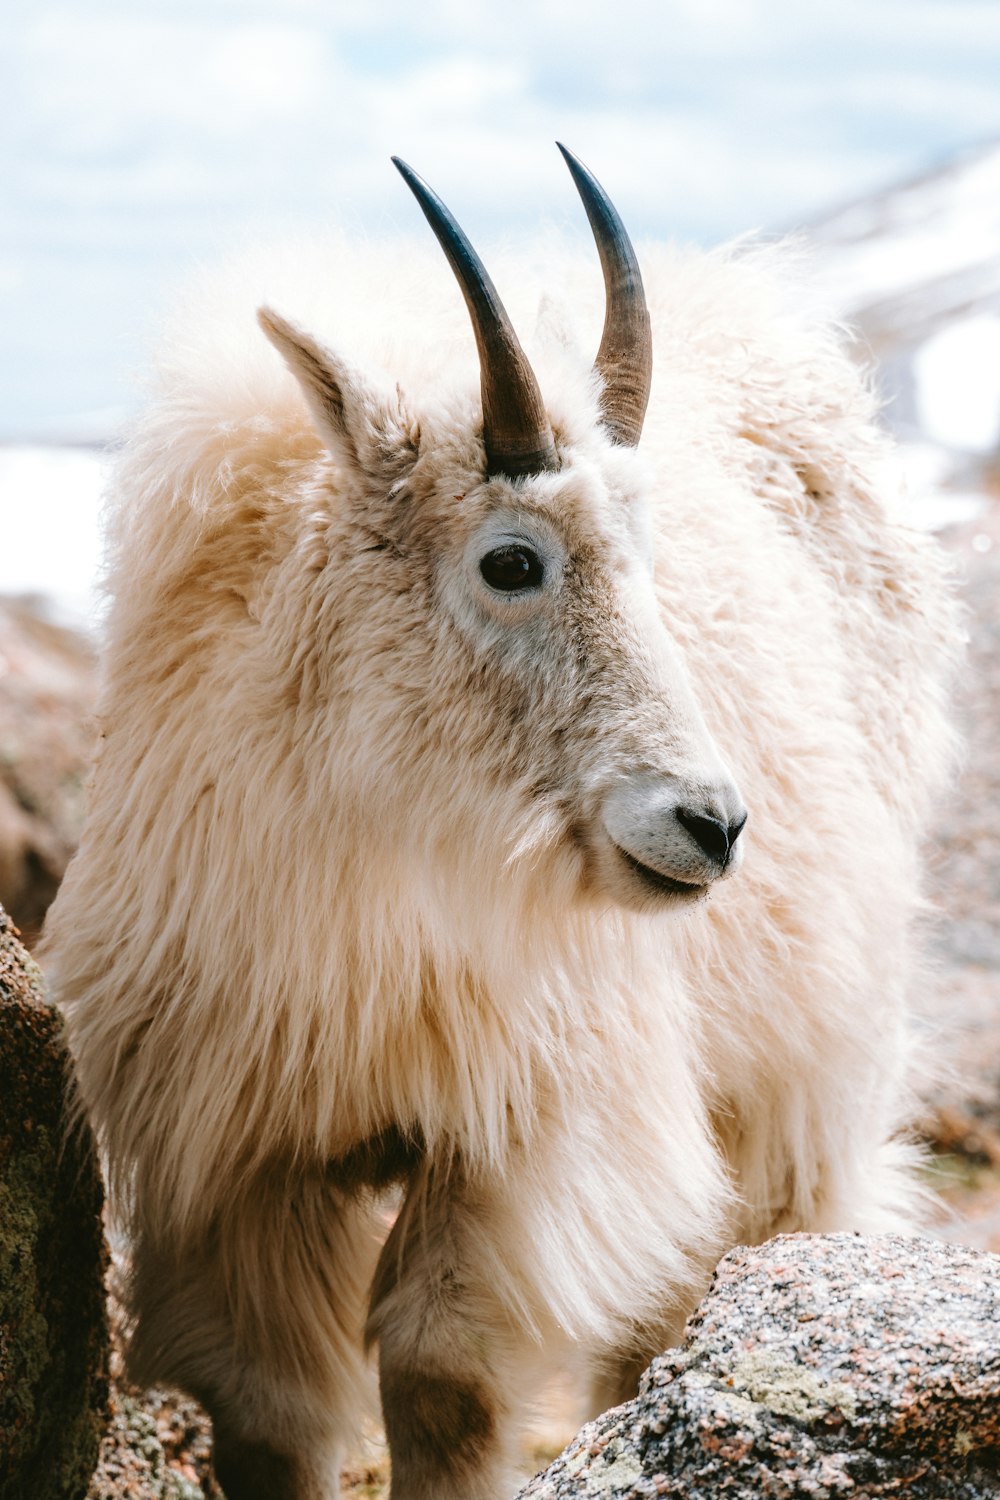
x,y
549,588
502,685
497,683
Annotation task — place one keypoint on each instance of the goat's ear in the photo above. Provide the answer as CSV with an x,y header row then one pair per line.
x,y
361,425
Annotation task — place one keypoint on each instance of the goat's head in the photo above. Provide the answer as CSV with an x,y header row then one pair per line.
x,y
493,641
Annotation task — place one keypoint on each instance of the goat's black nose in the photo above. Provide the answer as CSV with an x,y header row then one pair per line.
x,y
712,837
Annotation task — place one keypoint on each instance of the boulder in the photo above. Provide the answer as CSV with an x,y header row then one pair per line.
x,y
817,1366
53,1327
48,686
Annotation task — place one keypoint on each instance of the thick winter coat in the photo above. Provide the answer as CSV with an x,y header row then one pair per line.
x,y
398,867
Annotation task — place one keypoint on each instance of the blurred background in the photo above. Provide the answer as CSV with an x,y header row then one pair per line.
x,y
140,142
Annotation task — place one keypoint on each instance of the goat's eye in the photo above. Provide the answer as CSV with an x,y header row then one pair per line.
x,y
511,568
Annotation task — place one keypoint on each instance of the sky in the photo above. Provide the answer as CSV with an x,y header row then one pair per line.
x,y
139,142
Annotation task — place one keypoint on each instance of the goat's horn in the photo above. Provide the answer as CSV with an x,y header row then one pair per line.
x,y
516,430
625,358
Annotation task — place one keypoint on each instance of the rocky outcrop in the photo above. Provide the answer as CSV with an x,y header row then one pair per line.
x,y
53,1326
63,1435
48,684
817,1366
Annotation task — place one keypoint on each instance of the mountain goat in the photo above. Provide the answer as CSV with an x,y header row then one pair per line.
x,y
415,858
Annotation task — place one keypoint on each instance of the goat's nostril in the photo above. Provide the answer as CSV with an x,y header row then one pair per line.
x,y
735,829
709,834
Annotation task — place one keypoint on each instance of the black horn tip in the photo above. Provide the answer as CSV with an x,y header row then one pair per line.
x,y
581,175
516,431
404,169
601,211
425,196
464,261
576,166
625,359
570,159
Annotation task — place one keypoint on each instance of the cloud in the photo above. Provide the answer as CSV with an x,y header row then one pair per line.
x,y
741,111
91,83
145,138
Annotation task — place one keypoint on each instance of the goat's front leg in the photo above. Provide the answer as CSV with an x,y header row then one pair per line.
x,y
455,1369
261,1317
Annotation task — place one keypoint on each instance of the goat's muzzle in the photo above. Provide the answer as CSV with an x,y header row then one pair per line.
x,y
666,836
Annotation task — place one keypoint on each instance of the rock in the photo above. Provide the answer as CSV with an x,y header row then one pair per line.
x,y
48,685
820,1366
61,1438
156,1447
53,1326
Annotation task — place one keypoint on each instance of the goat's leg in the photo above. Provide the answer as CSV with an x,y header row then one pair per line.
x,y
262,1320
455,1369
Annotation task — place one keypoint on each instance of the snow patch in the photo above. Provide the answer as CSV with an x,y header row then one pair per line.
x,y
50,500
927,499
957,373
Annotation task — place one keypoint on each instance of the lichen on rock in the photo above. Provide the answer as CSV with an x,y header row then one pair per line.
x,y
790,1389
819,1366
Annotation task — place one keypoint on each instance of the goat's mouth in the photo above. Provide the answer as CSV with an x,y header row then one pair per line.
x,y
655,881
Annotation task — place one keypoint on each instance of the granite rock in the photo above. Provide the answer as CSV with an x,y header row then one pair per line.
x,y
53,1324
817,1366
157,1446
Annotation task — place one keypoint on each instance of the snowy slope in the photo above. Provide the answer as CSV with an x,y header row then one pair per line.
x,y
50,503
940,230
917,270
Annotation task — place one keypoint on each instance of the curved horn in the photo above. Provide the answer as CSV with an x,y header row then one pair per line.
x,y
516,430
625,358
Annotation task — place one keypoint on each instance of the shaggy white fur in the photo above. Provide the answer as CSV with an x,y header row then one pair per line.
x,y
342,880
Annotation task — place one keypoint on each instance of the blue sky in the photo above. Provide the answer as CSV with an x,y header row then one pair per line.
x,y
141,141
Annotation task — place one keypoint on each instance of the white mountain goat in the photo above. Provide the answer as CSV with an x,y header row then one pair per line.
x,y
431,717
